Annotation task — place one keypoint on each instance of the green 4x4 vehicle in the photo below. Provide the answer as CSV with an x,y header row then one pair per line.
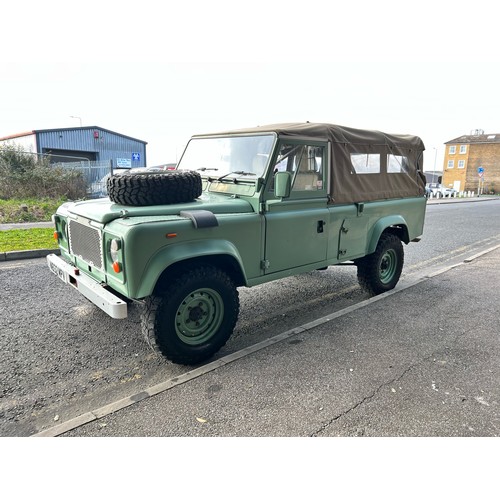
x,y
243,208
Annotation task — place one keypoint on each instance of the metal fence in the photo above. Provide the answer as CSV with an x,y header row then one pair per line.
x,y
95,174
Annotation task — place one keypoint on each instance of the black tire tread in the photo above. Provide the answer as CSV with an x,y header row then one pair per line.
x,y
368,275
154,304
165,188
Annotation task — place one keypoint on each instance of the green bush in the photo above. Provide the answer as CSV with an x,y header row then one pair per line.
x,y
23,175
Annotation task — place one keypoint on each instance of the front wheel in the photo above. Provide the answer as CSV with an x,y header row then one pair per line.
x,y
381,270
193,317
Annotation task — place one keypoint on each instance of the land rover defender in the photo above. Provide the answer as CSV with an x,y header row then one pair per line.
x,y
243,207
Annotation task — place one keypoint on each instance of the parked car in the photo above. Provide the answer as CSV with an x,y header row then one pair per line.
x,y
441,190
166,166
434,188
182,242
449,192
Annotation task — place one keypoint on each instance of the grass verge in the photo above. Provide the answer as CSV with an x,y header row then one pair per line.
x,y
27,239
28,209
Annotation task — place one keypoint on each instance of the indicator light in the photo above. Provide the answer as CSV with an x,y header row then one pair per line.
x,y
117,267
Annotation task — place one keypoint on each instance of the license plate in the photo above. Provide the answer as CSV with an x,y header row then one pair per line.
x,y
58,272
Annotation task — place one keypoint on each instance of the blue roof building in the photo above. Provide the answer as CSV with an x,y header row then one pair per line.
x,y
95,144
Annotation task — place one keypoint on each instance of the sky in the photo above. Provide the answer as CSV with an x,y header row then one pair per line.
x,y
162,72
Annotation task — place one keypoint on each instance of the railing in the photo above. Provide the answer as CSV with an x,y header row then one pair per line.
x,y
95,174
461,194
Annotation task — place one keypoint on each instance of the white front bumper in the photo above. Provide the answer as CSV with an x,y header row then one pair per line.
x,y
94,291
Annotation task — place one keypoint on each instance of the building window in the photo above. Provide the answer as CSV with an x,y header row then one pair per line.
x,y
453,150
463,150
451,163
461,163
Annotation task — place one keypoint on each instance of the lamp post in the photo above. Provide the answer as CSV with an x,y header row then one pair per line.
x,y
435,158
78,118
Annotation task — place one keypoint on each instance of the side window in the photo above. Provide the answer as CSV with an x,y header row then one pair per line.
x,y
308,169
364,163
397,164
306,163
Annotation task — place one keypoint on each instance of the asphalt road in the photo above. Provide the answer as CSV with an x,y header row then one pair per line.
x,y
382,369
63,358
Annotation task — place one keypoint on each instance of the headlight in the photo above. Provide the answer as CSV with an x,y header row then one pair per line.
x,y
114,248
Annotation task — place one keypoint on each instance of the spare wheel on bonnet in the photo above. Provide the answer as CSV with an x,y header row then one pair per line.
x,y
154,188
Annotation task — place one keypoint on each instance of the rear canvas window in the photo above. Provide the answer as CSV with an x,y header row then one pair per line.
x,y
365,163
397,164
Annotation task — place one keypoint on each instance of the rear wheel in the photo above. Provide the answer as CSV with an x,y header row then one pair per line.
x,y
381,270
193,317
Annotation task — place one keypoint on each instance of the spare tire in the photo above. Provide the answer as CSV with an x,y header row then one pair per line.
x,y
159,188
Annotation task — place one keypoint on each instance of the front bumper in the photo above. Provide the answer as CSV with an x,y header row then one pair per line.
x,y
89,288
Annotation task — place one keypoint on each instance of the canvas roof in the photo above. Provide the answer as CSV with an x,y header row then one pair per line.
x,y
345,184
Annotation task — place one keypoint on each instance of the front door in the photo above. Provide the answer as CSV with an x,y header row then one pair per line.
x,y
296,226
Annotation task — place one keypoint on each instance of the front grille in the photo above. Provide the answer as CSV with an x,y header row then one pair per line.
x,y
86,242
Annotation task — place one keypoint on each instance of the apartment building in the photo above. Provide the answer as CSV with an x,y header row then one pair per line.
x,y
472,162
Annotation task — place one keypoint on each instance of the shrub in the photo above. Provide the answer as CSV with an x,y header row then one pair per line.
x,y
23,175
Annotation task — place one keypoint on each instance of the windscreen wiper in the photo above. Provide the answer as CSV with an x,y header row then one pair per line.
x,y
240,172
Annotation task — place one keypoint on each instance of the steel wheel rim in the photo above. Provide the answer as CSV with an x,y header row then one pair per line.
x,y
388,265
199,316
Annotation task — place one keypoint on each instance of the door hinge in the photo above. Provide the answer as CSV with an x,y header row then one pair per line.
x,y
264,264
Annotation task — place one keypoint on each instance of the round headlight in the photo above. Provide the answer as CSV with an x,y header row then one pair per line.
x,y
114,249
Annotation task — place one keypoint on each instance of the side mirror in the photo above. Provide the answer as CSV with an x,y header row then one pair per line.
x,y
282,184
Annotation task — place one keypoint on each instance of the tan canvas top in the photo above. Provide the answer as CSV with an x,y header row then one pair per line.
x,y
346,184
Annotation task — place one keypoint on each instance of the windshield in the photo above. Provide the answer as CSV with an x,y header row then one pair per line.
x,y
222,156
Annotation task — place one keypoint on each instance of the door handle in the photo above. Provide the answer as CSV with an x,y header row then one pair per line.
x,y
320,226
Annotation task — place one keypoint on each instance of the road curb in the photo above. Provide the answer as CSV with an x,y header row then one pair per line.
x,y
447,201
28,254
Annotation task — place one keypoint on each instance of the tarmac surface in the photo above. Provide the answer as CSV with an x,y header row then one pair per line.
x,y
421,360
